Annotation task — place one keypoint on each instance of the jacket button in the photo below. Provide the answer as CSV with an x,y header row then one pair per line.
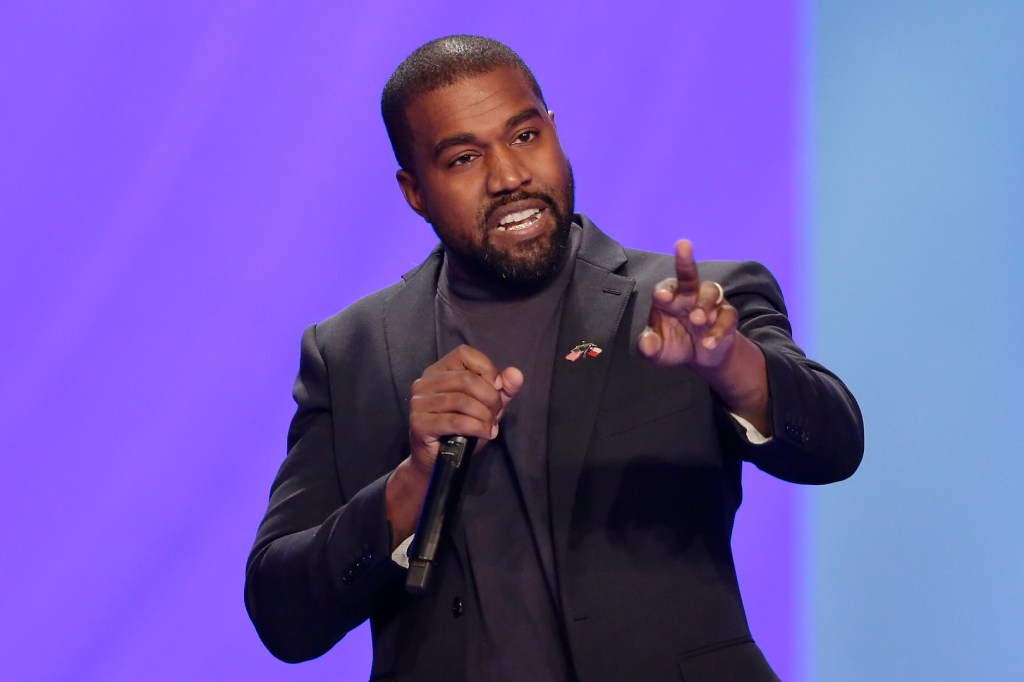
x,y
456,607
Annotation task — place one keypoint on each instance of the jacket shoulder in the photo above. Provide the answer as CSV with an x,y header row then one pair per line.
x,y
734,275
365,316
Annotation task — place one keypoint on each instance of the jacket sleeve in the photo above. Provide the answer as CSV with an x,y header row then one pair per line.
x,y
321,561
817,427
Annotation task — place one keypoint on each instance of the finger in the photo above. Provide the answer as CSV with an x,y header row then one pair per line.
x,y
429,427
665,341
461,382
666,289
469,358
452,403
686,268
649,343
708,295
667,298
707,301
723,328
508,383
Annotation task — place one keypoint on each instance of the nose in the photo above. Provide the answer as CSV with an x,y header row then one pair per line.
x,y
506,172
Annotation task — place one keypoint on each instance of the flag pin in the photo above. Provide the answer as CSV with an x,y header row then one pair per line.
x,y
585,349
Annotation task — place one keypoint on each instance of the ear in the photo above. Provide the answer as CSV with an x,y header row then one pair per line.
x,y
411,191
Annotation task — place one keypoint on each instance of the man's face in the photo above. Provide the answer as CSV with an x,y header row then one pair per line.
x,y
490,175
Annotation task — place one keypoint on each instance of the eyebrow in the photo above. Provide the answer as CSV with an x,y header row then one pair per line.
x,y
469,138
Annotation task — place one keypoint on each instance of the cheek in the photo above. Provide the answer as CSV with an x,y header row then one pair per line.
x,y
453,209
458,200
457,210
556,170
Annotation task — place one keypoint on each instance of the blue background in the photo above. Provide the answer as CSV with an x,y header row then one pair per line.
x,y
918,561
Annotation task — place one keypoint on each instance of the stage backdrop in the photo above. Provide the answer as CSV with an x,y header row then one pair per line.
x,y
184,188
919,214
188,185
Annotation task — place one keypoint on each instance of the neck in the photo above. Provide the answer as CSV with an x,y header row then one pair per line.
x,y
467,282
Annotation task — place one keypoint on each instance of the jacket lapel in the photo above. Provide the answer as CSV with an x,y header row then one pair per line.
x,y
593,308
410,328
410,332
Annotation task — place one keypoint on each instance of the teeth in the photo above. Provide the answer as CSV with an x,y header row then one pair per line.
x,y
520,216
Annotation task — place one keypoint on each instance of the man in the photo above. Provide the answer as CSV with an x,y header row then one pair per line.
x,y
614,395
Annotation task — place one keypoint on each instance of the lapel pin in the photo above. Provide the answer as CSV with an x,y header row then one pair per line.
x,y
584,349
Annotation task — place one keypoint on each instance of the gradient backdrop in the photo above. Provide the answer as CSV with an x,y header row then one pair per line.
x,y
184,187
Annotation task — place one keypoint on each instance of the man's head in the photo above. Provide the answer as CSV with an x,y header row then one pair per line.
x,y
480,158
434,65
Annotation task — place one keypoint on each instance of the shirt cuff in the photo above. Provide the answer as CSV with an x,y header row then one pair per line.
x,y
754,436
401,554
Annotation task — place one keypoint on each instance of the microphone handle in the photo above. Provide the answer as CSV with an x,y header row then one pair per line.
x,y
441,499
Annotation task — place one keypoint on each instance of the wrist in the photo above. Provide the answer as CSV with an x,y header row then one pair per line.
x,y
403,498
741,382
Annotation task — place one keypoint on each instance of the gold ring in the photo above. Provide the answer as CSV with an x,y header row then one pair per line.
x,y
721,294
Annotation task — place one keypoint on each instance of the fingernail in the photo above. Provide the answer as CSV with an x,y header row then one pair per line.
x,y
709,342
494,431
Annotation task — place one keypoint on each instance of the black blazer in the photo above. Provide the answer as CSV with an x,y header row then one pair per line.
x,y
644,471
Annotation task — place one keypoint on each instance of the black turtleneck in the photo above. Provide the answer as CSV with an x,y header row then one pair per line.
x,y
512,612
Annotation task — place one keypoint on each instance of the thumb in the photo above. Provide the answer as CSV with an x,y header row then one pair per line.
x,y
508,384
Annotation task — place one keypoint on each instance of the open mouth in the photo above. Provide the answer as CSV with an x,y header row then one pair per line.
x,y
520,220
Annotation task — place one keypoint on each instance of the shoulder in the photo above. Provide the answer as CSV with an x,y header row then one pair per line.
x,y
647,268
361,314
602,250
364,319
739,275
734,276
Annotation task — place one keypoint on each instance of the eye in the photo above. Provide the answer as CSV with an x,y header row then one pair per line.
x,y
462,159
526,136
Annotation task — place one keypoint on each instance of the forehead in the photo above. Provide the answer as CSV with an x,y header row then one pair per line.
x,y
474,105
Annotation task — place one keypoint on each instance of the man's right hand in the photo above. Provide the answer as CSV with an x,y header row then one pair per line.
x,y
461,394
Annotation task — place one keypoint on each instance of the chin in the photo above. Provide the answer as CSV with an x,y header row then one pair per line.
x,y
535,265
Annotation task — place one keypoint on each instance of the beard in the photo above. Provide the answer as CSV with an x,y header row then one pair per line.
x,y
529,265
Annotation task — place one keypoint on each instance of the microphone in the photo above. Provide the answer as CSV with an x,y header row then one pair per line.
x,y
442,497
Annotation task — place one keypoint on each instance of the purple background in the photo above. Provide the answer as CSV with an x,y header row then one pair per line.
x,y
185,187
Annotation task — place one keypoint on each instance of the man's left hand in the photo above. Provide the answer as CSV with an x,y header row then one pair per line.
x,y
692,324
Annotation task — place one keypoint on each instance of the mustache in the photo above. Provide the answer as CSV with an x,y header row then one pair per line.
x,y
518,196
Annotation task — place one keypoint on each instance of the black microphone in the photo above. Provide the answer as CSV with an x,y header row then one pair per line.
x,y
442,497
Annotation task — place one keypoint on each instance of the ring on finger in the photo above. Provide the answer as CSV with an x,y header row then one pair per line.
x,y
721,294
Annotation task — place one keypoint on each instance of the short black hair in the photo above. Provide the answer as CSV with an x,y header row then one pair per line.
x,y
436,64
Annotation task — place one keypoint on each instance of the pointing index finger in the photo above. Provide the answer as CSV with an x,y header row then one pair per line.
x,y
686,268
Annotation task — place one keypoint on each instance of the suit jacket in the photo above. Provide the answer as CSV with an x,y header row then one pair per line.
x,y
644,471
